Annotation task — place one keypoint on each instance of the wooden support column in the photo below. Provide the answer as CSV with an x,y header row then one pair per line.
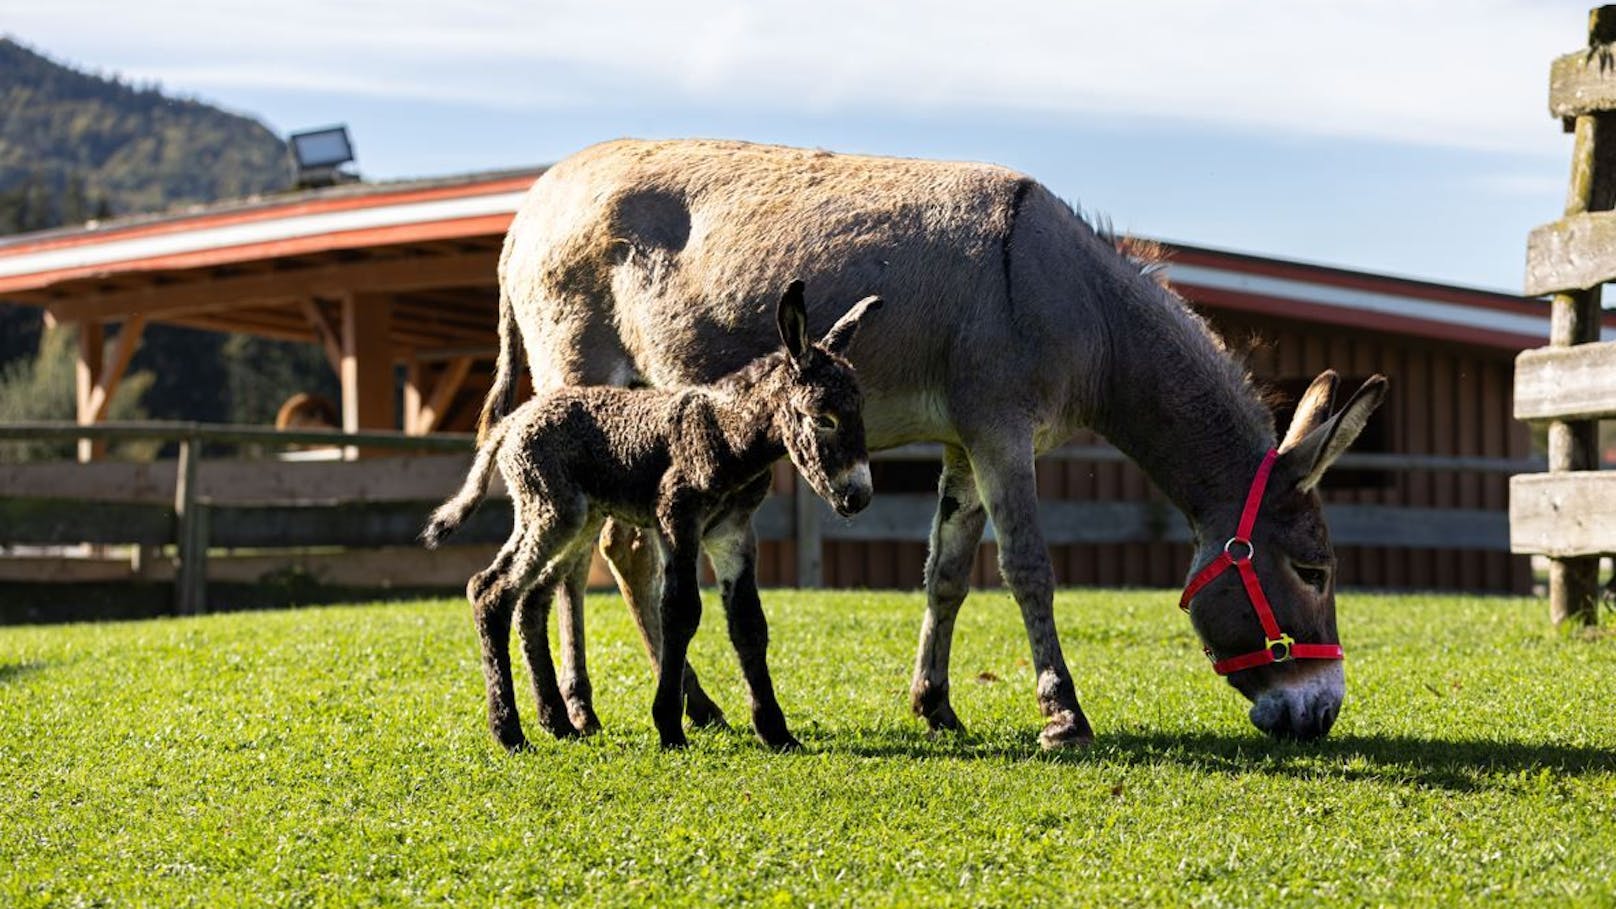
x,y
368,394
809,537
92,343
430,406
327,334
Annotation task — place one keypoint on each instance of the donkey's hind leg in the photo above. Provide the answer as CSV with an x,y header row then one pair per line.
x,y
956,531
732,548
636,561
575,687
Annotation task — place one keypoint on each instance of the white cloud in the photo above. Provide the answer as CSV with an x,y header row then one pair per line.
x,y
1412,71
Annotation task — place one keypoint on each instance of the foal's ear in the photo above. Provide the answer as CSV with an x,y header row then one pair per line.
x,y
841,334
1312,410
793,317
1305,461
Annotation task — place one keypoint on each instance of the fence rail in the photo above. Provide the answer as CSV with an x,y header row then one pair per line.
x,y
193,504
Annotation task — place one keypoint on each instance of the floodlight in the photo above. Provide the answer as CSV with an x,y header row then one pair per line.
x,y
320,153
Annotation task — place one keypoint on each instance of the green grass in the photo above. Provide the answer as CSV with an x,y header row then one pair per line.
x,y
339,756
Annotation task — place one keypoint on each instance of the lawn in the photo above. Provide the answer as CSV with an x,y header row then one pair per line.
x,y
339,756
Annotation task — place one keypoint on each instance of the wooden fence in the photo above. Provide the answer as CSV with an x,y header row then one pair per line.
x,y
1569,513
362,517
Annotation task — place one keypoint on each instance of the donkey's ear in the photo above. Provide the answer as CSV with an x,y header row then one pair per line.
x,y
841,334
793,317
1312,410
1305,462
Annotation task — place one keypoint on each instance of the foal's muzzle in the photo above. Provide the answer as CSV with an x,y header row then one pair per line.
x,y
853,489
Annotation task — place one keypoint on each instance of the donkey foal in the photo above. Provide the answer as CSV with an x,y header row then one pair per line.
x,y
692,464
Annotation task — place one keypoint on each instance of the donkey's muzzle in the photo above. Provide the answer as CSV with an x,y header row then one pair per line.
x,y
1301,708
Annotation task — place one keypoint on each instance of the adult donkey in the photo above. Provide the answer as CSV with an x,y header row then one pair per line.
x,y
1010,324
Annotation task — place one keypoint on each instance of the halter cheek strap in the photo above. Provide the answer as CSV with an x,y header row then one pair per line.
x,y
1278,646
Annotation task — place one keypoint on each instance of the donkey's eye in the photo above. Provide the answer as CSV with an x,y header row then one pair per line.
x,y
826,422
1314,576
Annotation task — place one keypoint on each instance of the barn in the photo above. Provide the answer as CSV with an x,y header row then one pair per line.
x,y
396,282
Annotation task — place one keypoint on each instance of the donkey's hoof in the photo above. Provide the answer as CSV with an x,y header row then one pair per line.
x,y
930,703
1066,729
942,719
583,719
675,742
784,745
513,741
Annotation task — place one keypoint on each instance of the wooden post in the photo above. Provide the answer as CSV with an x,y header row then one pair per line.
x,y
1571,259
810,541
190,534
92,344
368,400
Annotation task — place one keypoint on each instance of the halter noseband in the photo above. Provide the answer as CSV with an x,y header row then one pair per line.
x,y
1279,647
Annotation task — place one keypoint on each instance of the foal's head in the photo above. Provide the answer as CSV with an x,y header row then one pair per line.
x,y
820,412
1299,694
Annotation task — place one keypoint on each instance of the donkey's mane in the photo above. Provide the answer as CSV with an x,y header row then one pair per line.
x,y
1145,272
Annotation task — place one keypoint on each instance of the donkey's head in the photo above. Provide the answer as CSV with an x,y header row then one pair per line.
x,y
1296,689
821,415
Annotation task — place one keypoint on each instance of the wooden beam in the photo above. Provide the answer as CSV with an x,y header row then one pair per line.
x,y
1566,383
443,394
114,367
414,380
323,330
203,294
367,365
1563,515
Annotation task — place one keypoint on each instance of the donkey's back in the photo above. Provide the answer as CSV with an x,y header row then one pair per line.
x,y
654,261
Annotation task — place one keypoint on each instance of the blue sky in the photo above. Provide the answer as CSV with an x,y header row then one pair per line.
x,y
1387,135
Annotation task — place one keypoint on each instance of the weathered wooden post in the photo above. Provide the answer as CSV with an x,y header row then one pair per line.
x,y
190,533
809,539
1569,513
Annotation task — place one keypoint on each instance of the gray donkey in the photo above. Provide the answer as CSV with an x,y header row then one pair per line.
x,y
1014,323
692,463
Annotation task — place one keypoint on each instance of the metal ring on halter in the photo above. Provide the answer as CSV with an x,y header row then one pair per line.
x,y
1279,648
1250,549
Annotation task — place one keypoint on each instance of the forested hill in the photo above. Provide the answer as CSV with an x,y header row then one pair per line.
x,y
74,145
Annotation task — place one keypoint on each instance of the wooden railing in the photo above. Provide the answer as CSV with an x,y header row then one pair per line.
x,y
190,505
1569,513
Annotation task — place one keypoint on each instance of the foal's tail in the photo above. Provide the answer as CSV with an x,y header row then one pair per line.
x,y
502,394
451,514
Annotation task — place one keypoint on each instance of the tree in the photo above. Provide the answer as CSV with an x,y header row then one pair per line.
x,y
43,387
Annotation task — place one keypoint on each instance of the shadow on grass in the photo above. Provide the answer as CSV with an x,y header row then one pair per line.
x,y
1459,765
10,672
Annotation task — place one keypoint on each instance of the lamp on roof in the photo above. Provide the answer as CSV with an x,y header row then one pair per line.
x,y
320,154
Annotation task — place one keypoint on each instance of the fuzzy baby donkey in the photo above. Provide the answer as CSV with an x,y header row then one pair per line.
x,y
690,463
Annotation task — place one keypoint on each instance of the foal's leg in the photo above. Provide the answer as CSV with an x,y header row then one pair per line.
x,y
1005,480
540,560
575,687
732,547
493,593
681,613
956,531
636,561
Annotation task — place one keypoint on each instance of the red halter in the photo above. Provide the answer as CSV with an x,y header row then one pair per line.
x,y
1279,646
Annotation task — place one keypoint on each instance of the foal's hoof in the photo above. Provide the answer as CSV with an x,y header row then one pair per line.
x,y
1066,729
675,743
512,741
704,714
785,745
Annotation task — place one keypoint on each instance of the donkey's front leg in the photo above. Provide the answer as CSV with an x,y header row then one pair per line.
x,y
681,613
636,561
732,547
956,531
1005,480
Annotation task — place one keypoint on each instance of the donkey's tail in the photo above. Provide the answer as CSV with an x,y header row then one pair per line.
x,y
502,394
451,514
